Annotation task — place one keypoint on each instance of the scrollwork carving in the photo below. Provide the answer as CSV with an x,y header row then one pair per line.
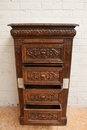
x,y
43,97
43,76
43,53
43,116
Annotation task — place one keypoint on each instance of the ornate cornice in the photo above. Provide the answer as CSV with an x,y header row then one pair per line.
x,y
42,32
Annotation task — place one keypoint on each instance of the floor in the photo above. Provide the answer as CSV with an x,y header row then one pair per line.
x,y
9,120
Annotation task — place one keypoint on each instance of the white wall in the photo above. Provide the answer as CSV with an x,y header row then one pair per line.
x,y
43,11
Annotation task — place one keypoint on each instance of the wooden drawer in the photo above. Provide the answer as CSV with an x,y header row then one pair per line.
x,y
42,53
43,115
43,40
42,96
43,75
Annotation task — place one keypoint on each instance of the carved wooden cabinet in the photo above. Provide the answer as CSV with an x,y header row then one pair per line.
x,y
43,59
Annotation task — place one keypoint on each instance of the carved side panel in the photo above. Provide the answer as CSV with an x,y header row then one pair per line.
x,y
68,58
68,53
18,57
41,75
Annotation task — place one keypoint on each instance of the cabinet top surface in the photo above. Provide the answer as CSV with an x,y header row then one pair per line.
x,y
43,24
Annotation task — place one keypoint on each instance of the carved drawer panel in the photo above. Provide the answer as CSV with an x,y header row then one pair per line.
x,y
42,96
43,75
42,53
43,116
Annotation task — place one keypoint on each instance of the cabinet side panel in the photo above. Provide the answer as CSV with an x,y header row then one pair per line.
x,y
67,67
18,61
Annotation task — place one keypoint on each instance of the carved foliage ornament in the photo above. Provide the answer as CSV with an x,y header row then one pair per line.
x,y
43,97
43,76
43,116
43,53
43,32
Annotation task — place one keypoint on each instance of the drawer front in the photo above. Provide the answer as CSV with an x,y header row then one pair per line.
x,y
41,96
43,75
43,40
42,53
42,116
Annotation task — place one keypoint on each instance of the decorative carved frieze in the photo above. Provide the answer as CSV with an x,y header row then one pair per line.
x,y
42,76
43,53
43,32
47,96
43,116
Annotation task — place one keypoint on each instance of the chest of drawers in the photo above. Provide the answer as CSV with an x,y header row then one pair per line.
x,y
43,60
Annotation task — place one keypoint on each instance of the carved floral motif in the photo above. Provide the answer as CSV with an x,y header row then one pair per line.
x,y
43,116
43,76
43,53
43,97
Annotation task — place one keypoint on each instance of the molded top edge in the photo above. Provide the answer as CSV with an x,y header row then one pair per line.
x,y
43,24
